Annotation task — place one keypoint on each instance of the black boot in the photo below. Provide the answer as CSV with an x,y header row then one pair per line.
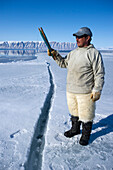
x,y
86,131
75,130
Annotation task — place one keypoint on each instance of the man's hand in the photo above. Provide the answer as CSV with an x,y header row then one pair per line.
x,y
53,52
95,96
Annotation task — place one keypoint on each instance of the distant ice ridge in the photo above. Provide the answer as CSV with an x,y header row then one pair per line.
x,y
39,45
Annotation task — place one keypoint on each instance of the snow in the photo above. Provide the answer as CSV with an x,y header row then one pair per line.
x,y
34,116
23,88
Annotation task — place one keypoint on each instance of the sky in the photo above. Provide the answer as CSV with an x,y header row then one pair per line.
x,y
20,19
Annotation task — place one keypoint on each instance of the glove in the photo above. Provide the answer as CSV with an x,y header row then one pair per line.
x,y
53,52
95,96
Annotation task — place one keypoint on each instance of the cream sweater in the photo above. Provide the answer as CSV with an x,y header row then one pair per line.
x,y
85,70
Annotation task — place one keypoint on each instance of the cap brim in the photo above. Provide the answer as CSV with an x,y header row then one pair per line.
x,y
78,34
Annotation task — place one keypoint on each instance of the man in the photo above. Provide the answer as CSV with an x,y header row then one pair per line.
x,y
85,79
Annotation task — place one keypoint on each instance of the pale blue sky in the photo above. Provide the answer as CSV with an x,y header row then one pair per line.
x,y
20,19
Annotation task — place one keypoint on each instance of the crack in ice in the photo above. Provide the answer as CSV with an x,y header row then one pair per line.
x,y
34,161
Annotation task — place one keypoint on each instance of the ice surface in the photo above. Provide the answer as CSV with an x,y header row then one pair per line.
x,y
24,89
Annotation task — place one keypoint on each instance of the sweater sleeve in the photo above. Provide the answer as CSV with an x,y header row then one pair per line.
x,y
62,61
98,71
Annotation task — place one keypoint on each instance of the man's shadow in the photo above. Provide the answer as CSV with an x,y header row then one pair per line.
x,y
107,126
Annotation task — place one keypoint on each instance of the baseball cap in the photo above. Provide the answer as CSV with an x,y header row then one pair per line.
x,y
83,31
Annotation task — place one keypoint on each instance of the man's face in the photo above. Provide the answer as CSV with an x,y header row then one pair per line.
x,y
82,41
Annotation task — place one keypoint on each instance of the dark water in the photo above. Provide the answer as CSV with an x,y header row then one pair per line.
x,y
17,55
11,55
18,52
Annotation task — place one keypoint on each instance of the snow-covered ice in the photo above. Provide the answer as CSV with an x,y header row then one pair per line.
x,y
23,89
30,138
